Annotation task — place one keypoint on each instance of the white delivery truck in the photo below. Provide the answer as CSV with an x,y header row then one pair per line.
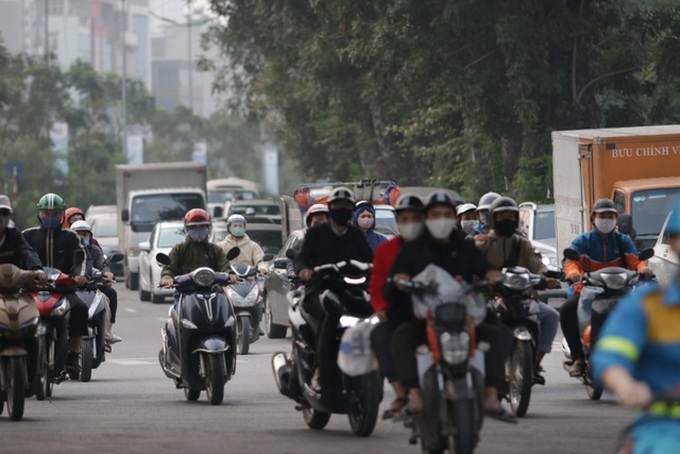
x,y
149,193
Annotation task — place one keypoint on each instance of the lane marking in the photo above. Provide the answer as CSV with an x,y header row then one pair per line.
x,y
127,309
131,362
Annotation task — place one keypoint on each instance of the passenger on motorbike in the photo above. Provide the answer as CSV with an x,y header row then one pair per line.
x,y
316,215
599,248
504,248
447,248
251,252
56,248
467,217
364,218
638,354
13,247
330,242
483,213
71,215
410,210
195,251
97,260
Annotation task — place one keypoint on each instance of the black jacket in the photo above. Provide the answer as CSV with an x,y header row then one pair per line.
x,y
17,251
56,249
322,245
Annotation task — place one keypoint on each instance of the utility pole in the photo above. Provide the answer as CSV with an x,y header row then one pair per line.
x,y
47,31
124,81
191,60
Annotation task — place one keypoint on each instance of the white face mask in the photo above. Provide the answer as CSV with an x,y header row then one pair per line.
x,y
440,228
469,225
410,231
605,225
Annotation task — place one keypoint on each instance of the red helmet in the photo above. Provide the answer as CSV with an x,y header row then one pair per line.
x,y
196,216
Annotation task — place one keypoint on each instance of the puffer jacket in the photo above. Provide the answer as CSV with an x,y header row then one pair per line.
x,y
251,252
56,248
189,255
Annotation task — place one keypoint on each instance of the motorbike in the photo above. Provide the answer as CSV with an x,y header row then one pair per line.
x,y
19,319
246,296
451,381
601,292
199,338
342,294
94,348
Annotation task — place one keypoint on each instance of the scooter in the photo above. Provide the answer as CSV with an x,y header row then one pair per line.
x,y
199,338
601,292
344,296
451,379
246,296
19,319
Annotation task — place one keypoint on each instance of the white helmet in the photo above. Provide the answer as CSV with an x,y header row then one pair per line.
x,y
317,208
80,226
466,207
235,218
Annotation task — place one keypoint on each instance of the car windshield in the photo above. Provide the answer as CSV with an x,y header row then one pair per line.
x,y
105,227
219,234
386,218
650,208
269,240
149,209
170,236
255,210
545,225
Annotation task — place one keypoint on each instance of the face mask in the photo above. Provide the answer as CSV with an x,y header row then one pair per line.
x,y
50,222
605,225
469,225
198,234
506,227
4,222
340,216
238,232
410,231
365,223
440,228
86,242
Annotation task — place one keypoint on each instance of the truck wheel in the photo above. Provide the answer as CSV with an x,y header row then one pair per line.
x,y
134,281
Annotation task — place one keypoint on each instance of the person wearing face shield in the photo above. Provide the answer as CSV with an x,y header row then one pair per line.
x,y
637,357
251,252
599,248
13,246
410,211
364,218
503,247
443,245
468,220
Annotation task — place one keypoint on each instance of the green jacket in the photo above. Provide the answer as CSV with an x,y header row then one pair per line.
x,y
189,255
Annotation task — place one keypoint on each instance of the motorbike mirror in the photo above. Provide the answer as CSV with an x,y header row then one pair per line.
x,y
163,259
268,257
646,254
116,257
291,254
625,224
572,254
233,253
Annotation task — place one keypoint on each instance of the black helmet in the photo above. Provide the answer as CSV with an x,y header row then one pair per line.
x,y
411,202
604,206
341,193
440,197
500,205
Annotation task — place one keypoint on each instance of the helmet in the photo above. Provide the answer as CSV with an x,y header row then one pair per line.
x,y
5,203
440,197
341,193
673,226
502,204
464,208
51,201
81,226
411,202
70,212
235,218
196,216
604,206
317,208
486,200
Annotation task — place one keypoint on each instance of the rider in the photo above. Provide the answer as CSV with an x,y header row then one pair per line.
x,y
504,248
410,211
483,212
97,259
56,248
195,251
330,242
599,248
467,217
638,354
251,252
317,214
13,247
71,215
447,248
364,218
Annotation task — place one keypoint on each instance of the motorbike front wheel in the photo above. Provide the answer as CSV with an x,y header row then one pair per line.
x,y
41,379
594,391
316,420
214,379
364,403
243,335
463,439
520,373
192,395
86,359
15,392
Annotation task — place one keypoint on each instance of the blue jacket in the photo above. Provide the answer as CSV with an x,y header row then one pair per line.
x,y
374,238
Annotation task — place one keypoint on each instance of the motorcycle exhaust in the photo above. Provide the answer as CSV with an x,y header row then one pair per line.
x,y
282,372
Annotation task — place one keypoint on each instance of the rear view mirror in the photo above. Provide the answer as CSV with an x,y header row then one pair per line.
x,y
116,257
125,215
233,253
281,264
144,246
291,254
217,212
625,224
647,253
572,254
162,259
268,257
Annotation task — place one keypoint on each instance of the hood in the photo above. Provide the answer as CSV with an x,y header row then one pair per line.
x,y
361,209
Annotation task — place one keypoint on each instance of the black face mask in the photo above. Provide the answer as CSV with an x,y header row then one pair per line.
x,y
505,227
340,216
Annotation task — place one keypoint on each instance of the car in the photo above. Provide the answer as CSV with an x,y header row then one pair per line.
x,y
260,208
163,237
105,231
664,263
386,220
94,210
262,230
537,223
277,287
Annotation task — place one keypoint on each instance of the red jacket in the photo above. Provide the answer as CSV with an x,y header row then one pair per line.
x,y
383,258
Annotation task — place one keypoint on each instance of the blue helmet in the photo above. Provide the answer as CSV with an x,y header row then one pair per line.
x,y
673,227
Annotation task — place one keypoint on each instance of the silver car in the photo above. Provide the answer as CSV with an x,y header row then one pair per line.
x,y
162,239
537,223
665,262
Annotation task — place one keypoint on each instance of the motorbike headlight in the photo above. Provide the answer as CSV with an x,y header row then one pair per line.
x,y
517,281
203,277
188,323
252,296
30,327
347,321
455,348
614,281
60,309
